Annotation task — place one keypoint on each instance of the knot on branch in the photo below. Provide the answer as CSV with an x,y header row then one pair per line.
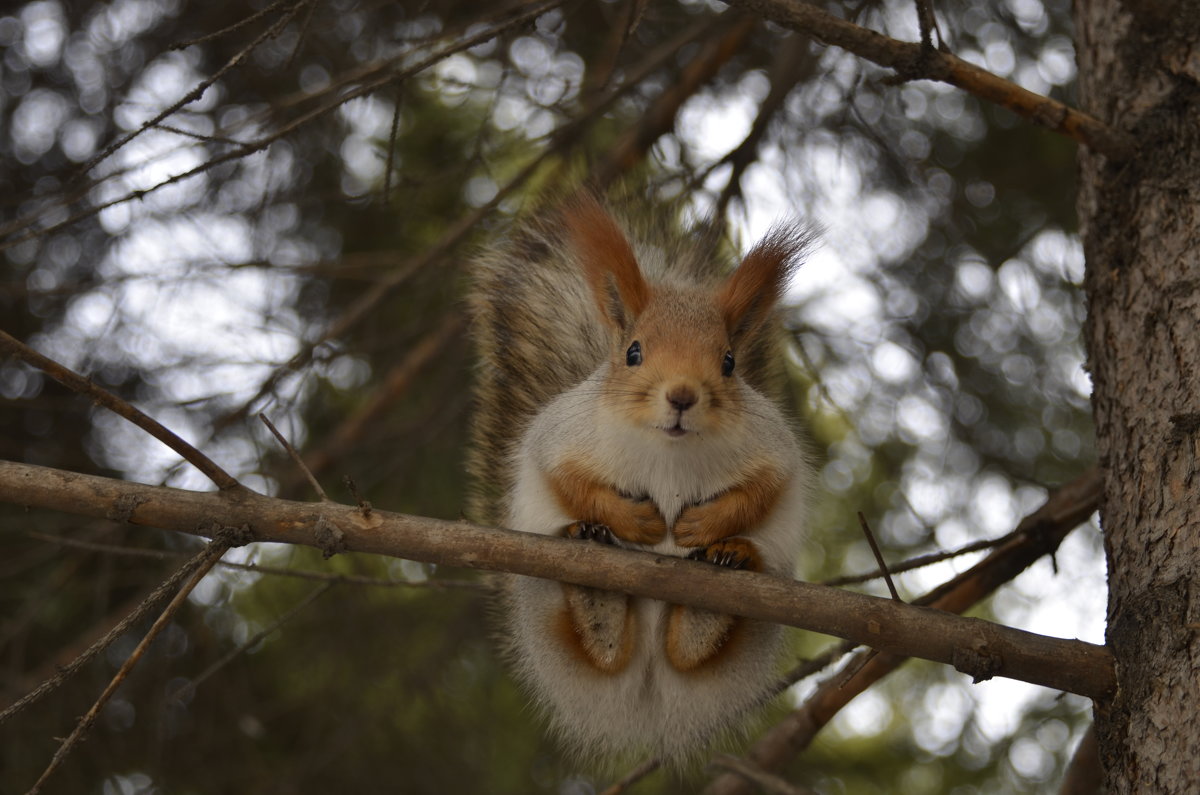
x,y
978,661
329,538
235,536
917,63
123,507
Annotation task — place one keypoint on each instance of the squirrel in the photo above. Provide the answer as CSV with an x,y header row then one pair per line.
x,y
620,401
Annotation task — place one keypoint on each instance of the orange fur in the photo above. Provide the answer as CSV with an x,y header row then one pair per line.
x,y
748,297
736,511
608,262
585,498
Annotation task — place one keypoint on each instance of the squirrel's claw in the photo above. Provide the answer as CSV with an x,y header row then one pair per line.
x,y
730,553
591,531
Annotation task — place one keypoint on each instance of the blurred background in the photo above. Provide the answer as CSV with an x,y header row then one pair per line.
x,y
220,209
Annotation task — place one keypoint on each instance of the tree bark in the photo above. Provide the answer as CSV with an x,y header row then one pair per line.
x,y
1139,68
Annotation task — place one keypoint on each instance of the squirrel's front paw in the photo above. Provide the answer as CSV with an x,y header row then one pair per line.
x,y
643,524
590,531
694,528
733,553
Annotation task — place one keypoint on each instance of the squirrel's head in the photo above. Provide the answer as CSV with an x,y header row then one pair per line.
x,y
674,349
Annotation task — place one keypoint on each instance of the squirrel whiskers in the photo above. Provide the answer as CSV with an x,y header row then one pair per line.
x,y
620,401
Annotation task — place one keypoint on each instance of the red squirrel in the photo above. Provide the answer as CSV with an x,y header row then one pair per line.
x,y
618,405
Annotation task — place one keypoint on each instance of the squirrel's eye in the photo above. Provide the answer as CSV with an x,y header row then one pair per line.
x,y
633,356
727,364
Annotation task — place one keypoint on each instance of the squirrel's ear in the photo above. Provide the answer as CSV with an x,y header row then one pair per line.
x,y
749,295
611,270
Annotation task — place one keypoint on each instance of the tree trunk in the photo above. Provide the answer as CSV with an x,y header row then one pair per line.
x,y
1139,64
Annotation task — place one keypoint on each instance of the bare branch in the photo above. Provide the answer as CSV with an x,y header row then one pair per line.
x,y
921,561
1037,535
887,575
296,459
912,61
263,568
976,647
186,691
141,611
380,76
633,777
108,400
198,90
660,118
752,773
394,384
212,553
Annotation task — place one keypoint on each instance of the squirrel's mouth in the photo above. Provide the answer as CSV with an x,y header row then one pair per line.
x,y
676,430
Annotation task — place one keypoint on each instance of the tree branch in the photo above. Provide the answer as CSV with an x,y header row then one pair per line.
x,y
977,647
1037,535
102,397
911,61
212,553
660,117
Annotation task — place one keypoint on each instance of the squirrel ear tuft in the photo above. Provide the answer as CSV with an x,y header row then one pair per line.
x,y
609,265
748,296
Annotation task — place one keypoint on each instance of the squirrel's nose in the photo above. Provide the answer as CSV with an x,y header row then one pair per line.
x,y
681,398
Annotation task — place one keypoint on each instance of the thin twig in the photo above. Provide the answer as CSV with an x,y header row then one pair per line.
x,y
187,690
927,21
633,777
388,76
141,611
304,28
817,664
208,139
263,568
765,782
921,561
198,90
391,151
660,117
364,505
212,553
257,15
122,408
887,575
397,381
296,459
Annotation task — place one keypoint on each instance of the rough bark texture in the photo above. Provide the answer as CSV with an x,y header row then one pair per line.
x,y
1140,69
